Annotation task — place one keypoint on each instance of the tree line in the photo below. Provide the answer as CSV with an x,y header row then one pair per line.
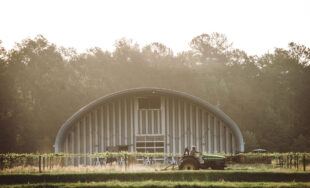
x,y
42,85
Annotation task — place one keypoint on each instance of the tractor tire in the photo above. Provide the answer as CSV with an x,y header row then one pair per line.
x,y
189,164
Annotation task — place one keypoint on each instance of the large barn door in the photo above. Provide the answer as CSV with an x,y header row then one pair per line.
x,y
149,132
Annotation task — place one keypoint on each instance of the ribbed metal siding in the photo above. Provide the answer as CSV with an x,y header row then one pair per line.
x,y
114,123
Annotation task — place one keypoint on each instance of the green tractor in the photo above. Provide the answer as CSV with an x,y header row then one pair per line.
x,y
193,162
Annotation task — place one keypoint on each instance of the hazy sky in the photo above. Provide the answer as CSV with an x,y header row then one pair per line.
x,y
254,26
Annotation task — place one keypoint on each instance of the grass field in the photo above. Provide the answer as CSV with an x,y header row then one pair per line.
x,y
167,184
140,168
171,176
139,175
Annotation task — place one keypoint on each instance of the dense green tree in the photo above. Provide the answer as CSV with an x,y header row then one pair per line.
x,y
250,141
42,85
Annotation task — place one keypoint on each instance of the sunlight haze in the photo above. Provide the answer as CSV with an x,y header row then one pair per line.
x,y
253,26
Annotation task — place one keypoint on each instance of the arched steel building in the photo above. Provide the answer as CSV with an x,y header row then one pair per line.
x,y
149,120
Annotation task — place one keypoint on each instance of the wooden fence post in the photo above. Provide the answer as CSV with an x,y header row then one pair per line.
x,y
287,161
129,159
297,162
43,163
126,162
304,161
50,162
40,164
62,161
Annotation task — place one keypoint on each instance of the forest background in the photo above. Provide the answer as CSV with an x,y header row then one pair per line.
x,y
42,85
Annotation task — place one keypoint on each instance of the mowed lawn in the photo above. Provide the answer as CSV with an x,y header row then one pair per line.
x,y
159,179
166,184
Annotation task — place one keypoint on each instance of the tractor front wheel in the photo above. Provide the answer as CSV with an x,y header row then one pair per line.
x,y
189,164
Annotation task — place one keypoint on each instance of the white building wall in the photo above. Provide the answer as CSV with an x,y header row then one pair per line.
x,y
117,122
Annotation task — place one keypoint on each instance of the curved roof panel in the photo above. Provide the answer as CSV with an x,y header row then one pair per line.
x,y
144,91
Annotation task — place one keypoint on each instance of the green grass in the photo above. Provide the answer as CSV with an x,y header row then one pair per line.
x,y
175,176
139,168
167,184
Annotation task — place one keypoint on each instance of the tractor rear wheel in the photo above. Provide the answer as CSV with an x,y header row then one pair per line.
x,y
189,164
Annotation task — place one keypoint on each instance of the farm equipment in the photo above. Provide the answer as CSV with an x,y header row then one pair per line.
x,y
111,159
193,162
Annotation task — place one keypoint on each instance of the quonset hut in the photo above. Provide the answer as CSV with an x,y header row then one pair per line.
x,y
149,120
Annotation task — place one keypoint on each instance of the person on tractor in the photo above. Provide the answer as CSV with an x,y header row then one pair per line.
x,y
186,151
194,151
